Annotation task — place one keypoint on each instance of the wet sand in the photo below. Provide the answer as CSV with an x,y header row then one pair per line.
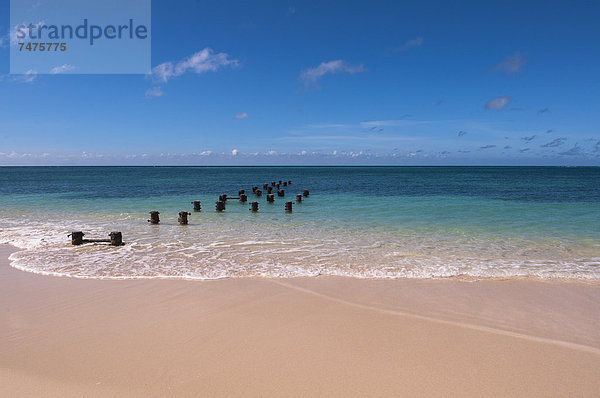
x,y
321,336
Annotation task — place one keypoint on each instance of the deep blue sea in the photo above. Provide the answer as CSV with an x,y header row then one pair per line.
x,y
374,222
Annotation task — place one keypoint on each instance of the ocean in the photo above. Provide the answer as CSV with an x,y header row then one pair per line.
x,y
366,222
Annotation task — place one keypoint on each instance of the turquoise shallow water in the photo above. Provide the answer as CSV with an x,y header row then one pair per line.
x,y
416,222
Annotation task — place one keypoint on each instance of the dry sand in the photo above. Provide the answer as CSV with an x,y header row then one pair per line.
x,y
324,336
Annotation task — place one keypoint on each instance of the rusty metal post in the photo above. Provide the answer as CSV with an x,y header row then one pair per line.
x,y
220,205
288,207
76,237
116,238
154,219
254,207
197,206
270,198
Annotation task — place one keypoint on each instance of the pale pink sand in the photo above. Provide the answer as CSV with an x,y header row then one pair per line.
x,y
296,337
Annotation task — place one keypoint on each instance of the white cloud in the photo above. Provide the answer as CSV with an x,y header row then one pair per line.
x,y
303,153
205,153
234,152
61,69
242,115
154,92
272,153
416,42
497,103
203,61
511,64
26,77
312,75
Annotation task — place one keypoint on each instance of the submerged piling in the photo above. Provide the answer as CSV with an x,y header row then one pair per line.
x,y
270,198
254,207
298,198
269,189
243,198
241,192
305,193
219,205
183,217
281,192
288,207
154,219
197,206
258,192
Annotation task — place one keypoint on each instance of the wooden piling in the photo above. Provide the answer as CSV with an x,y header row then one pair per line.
x,y
272,183
298,198
265,186
220,205
305,193
281,192
288,207
197,206
76,237
254,207
258,192
289,182
241,192
116,238
243,198
270,198
285,183
183,217
254,189
223,197
154,219
269,190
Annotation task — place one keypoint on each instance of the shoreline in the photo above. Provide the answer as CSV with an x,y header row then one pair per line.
x,y
296,337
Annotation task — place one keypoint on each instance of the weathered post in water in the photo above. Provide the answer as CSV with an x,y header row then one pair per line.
x,y
285,183
269,189
241,192
222,197
289,182
220,205
243,198
265,186
254,207
298,198
288,207
76,237
197,206
116,238
305,193
281,192
183,217
270,198
154,219
258,192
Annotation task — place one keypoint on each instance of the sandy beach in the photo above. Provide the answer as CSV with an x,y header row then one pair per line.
x,y
322,336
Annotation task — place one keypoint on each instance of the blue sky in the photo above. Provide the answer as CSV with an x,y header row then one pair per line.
x,y
341,82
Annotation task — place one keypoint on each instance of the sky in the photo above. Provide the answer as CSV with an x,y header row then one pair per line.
x,y
320,83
